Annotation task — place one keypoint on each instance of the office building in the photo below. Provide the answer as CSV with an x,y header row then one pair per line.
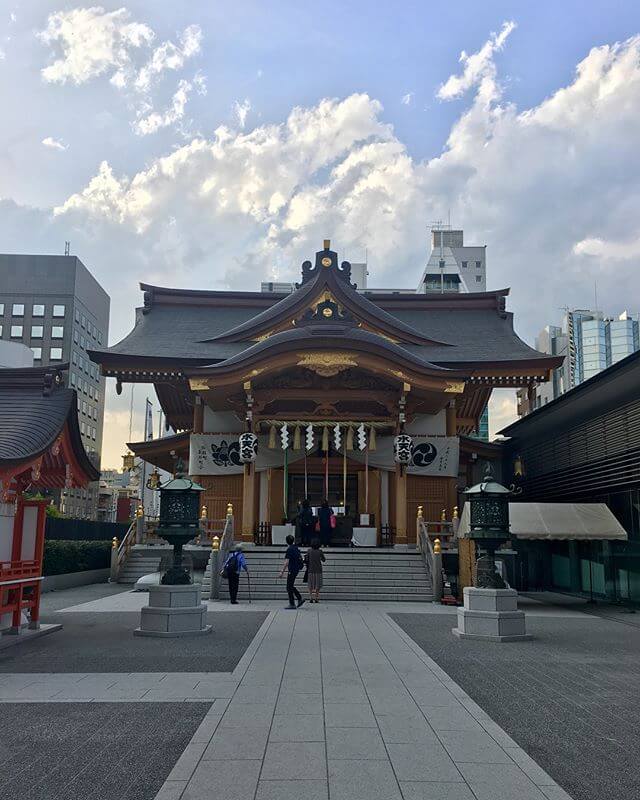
x,y
452,265
56,307
590,343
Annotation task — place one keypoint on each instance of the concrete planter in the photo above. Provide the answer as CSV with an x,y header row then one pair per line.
x,y
70,579
491,615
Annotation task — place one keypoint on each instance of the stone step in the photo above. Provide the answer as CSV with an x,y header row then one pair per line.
x,y
362,597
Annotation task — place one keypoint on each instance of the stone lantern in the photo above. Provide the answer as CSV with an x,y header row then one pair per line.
x,y
175,607
490,610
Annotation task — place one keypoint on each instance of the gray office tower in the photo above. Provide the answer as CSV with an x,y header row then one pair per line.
x,y
54,305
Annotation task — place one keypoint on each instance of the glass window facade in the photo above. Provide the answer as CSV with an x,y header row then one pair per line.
x,y
37,310
17,310
57,332
37,353
58,311
37,331
55,354
16,331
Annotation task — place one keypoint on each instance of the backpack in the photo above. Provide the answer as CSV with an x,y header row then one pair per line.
x,y
231,566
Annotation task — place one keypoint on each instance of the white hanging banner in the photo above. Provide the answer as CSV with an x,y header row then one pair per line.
x,y
219,454
430,455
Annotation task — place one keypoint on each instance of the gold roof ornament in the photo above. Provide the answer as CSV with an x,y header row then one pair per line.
x,y
327,364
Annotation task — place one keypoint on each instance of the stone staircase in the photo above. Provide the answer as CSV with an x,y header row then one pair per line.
x,y
365,574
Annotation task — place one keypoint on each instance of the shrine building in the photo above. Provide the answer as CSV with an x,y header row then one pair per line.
x,y
366,399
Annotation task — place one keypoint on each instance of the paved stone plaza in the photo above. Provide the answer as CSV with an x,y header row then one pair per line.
x,y
329,702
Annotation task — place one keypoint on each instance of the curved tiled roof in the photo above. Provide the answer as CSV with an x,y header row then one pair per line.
x,y
34,408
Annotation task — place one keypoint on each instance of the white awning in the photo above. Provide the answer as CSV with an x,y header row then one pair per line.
x,y
592,521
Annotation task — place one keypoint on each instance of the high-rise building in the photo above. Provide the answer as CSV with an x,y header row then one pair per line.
x,y
590,342
56,307
452,265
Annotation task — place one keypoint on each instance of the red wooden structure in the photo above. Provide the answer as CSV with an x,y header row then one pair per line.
x,y
40,448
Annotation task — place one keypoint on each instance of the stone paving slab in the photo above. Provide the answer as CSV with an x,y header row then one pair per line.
x,y
289,743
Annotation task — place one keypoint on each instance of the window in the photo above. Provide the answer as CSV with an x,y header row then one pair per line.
x,y
83,428
84,406
37,353
75,337
74,357
16,331
478,278
57,332
97,395
36,331
55,354
465,264
77,315
84,386
58,311
82,342
93,433
99,336
478,264
37,311
83,321
91,392
0,330
18,310
73,378
2,308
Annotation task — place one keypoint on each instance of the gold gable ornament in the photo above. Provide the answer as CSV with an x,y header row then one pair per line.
x,y
327,364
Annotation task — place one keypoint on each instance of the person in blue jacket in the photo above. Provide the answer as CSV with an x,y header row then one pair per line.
x,y
234,563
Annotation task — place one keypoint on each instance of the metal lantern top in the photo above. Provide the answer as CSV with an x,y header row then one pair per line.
x,y
180,502
489,512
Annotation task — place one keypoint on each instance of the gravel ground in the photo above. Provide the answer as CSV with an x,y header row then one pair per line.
x,y
93,751
64,598
569,697
104,642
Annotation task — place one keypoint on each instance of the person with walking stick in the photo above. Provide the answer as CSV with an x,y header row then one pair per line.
x,y
234,563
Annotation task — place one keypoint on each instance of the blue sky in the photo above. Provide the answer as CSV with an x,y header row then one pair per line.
x,y
216,144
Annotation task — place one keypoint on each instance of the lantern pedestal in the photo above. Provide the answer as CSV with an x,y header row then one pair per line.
x,y
491,615
173,611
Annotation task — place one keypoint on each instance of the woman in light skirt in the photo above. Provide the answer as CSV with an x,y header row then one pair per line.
x,y
315,558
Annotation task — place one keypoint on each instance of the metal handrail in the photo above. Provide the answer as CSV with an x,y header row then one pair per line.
x,y
432,558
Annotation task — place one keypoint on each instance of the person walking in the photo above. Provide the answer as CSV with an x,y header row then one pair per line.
x,y
306,522
314,560
293,563
234,563
324,518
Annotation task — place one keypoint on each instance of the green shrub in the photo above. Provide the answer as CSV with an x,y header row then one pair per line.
x,y
62,556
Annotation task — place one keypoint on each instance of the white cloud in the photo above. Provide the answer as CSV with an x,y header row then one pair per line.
x,y
227,210
169,56
97,43
55,144
152,122
241,111
93,41
608,250
479,68
407,99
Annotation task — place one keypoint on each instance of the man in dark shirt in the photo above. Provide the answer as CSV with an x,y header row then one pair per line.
x,y
292,565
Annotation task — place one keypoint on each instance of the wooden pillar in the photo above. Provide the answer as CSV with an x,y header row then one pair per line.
x,y
451,430
401,504
466,563
198,416
249,502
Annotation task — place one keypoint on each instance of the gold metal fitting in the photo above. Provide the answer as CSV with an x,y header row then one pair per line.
x,y
114,542
215,543
437,546
140,511
455,512
230,509
419,512
203,512
443,516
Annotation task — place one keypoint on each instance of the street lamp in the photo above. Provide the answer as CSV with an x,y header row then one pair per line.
x,y
489,526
